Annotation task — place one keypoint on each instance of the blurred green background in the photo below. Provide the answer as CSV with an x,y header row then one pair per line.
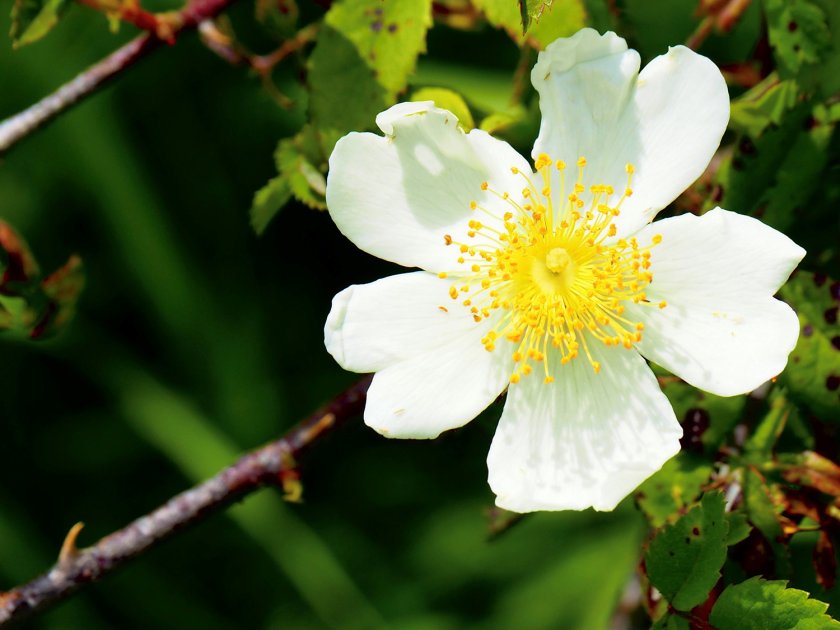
x,y
196,340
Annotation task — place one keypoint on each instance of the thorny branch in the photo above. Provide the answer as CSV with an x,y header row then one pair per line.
x,y
271,464
163,29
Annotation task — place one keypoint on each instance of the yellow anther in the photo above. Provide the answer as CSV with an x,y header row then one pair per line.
x,y
447,239
442,275
551,276
453,293
663,304
514,170
630,169
656,240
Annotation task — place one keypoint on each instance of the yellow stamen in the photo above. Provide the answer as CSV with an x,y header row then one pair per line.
x,y
546,273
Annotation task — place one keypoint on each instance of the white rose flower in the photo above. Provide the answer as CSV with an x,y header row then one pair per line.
x,y
551,282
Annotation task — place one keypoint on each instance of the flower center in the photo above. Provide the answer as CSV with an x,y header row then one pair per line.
x,y
554,280
557,260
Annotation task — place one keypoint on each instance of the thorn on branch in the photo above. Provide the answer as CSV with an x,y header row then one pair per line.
x,y
69,551
275,461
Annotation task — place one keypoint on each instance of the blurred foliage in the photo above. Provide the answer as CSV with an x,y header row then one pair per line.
x,y
196,339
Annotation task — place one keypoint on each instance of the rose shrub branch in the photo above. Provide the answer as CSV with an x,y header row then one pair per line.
x,y
272,464
19,126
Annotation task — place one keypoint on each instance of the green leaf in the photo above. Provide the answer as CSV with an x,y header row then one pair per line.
x,y
761,508
739,528
777,175
684,560
767,605
670,622
296,160
798,33
763,105
268,201
61,289
447,99
31,305
813,372
540,23
32,19
362,58
760,446
676,485
824,78
299,164
532,11
518,126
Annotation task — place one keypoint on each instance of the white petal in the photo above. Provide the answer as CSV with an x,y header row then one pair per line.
x,y
586,440
722,330
667,121
373,326
397,196
441,389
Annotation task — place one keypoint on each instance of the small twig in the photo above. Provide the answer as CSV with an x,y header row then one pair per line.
x,y
14,129
268,465
221,40
17,127
131,12
719,14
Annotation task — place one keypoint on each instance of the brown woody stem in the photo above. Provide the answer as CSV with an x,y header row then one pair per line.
x,y
271,464
17,127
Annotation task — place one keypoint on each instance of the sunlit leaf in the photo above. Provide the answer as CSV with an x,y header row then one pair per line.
x,y
540,23
32,19
763,105
447,99
797,31
759,604
364,53
675,486
298,160
268,201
